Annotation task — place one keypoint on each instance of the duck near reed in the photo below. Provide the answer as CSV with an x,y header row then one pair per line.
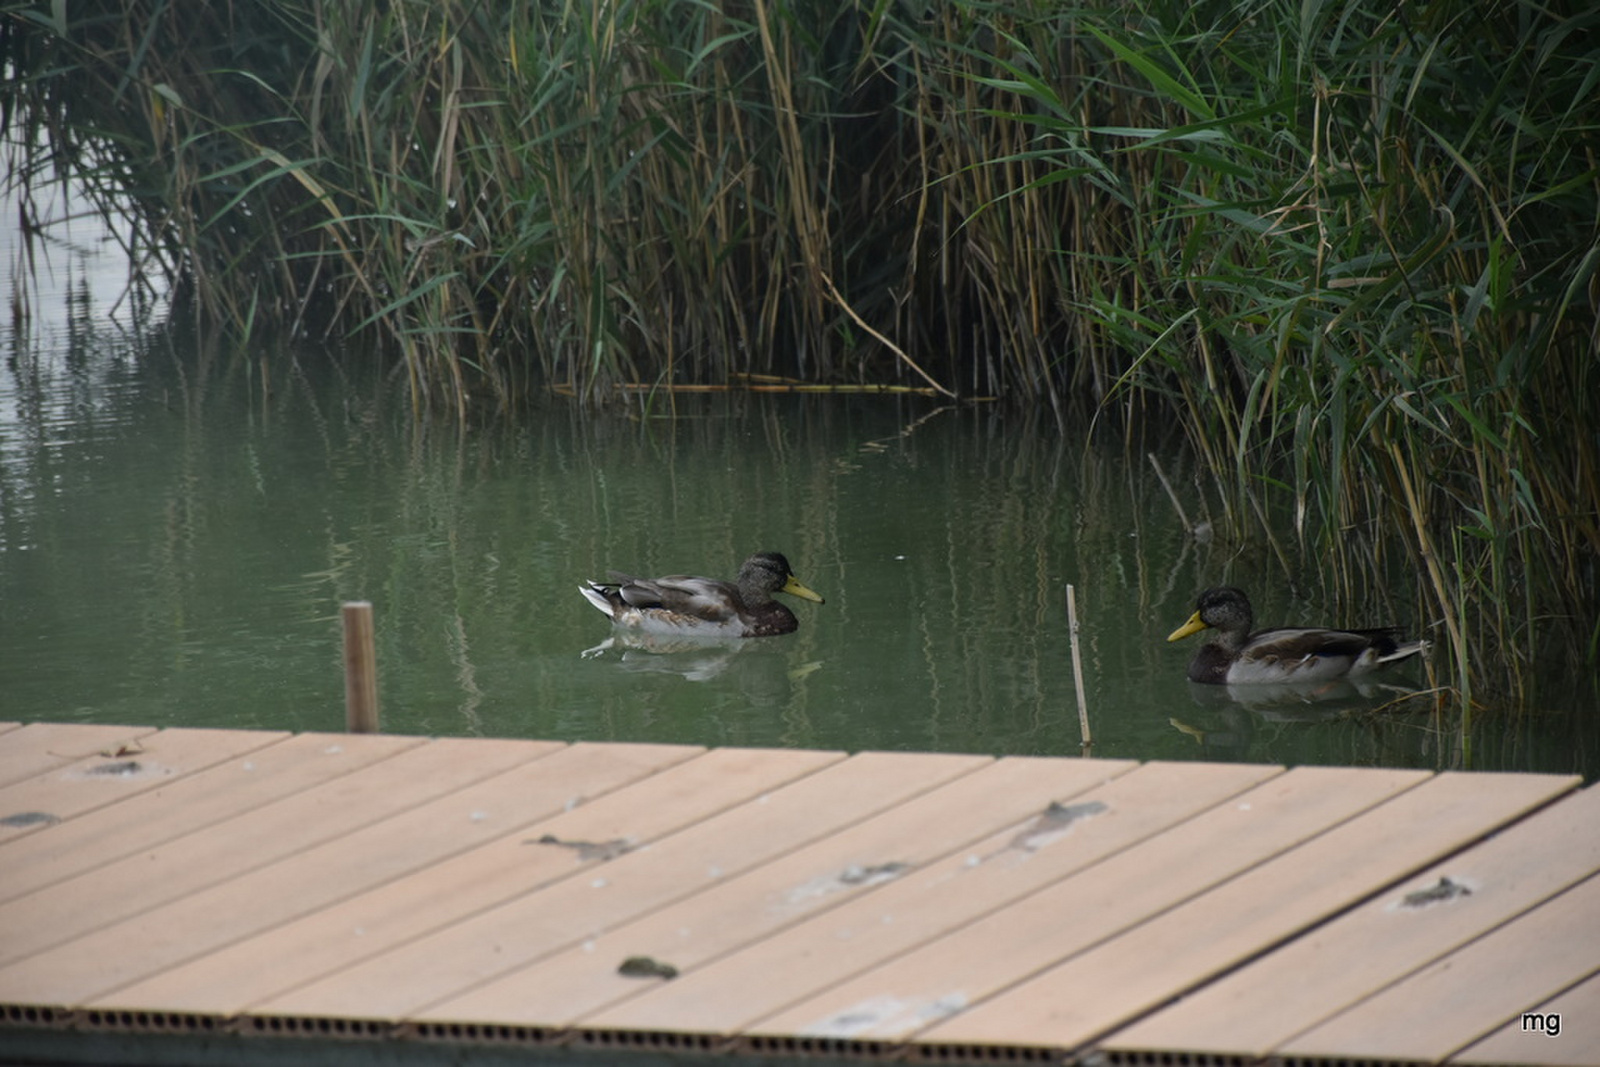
x,y
1234,655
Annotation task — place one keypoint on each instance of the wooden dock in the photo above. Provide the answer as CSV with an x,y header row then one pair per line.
x,y
224,896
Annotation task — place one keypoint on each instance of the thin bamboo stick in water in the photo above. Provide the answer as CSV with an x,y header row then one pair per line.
x,y
1077,670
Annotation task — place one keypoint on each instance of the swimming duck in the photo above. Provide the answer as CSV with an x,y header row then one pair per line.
x,y
1233,655
684,605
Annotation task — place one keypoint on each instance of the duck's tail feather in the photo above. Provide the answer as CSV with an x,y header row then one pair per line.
x,y
1403,650
595,594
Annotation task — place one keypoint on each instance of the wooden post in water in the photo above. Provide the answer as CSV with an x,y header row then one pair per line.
x,y
360,669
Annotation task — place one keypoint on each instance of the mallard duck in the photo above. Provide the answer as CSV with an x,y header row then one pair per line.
x,y
683,605
1233,655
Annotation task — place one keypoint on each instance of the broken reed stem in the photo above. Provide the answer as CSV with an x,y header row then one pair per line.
x,y
890,345
1077,670
796,387
1183,516
360,669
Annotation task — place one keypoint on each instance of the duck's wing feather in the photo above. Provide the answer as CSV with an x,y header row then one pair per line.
x,y
683,594
1312,654
1305,641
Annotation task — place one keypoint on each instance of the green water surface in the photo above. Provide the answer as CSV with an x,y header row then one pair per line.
x,y
180,521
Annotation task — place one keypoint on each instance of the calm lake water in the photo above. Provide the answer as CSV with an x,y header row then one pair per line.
x,y
180,522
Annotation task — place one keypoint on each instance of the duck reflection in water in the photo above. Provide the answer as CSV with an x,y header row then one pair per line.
x,y
694,659
1229,716
763,672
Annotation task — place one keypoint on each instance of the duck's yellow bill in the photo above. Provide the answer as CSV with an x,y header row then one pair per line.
x,y
793,587
1193,626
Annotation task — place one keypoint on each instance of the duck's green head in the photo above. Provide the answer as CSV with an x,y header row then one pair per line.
x,y
771,571
1225,608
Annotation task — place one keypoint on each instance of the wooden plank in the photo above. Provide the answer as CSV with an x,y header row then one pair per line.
x,y
1470,994
413,775
141,823
510,936
1345,961
1116,981
740,911
908,993
227,981
413,839
734,991
154,761
1565,1034
43,746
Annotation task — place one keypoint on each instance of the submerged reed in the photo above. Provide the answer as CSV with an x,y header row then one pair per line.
x,y
1350,249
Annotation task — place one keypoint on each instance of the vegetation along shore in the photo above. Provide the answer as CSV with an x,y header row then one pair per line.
x,y
1350,249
